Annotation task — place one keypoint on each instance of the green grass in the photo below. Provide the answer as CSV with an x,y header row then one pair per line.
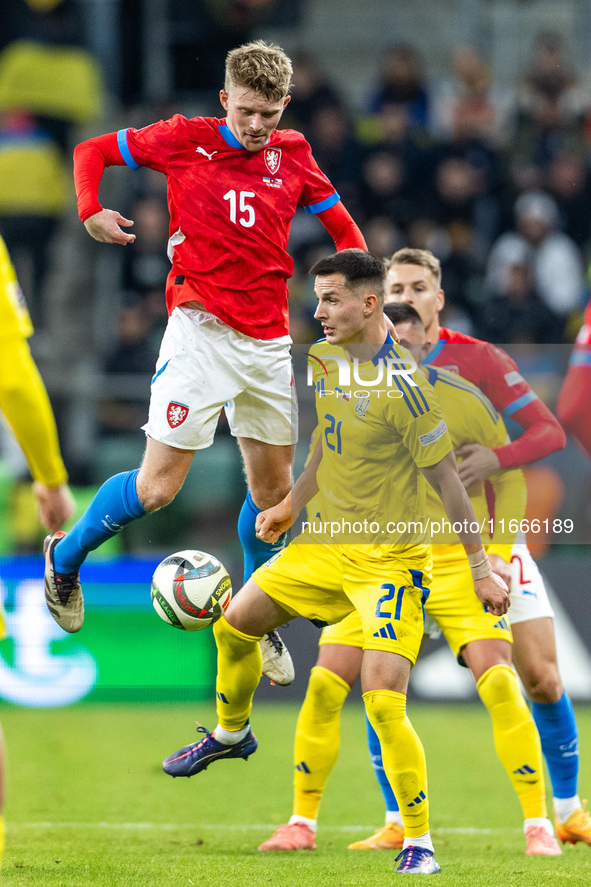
x,y
89,805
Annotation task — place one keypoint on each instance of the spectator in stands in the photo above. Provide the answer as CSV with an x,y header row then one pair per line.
x,y
402,82
550,106
468,99
132,354
385,188
337,151
554,260
568,182
518,314
311,92
549,76
146,265
33,197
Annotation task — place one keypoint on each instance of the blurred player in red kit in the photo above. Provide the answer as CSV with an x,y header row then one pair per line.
x,y
233,188
414,276
574,402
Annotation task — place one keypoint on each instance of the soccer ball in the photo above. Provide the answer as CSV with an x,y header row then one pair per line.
x,y
191,590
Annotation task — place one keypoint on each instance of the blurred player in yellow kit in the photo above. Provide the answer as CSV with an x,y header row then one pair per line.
x,y
478,639
25,405
370,465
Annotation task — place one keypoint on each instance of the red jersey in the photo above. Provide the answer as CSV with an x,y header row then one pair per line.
x,y
497,375
574,401
230,215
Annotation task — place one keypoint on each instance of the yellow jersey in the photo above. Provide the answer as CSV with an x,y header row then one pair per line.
x,y
15,322
471,418
380,424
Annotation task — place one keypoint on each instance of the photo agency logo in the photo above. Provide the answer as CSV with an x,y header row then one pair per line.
x,y
393,371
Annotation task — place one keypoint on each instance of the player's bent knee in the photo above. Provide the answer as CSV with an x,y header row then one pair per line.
x,y
543,686
326,691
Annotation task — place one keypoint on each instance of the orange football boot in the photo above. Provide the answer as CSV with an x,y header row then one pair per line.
x,y
576,828
389,837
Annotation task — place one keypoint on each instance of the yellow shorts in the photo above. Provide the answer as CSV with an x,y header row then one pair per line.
x,y
451,602
454,605
326,583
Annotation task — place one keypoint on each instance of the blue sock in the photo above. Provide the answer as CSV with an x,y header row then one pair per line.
x,y
115,505
560,743
375,754
256,552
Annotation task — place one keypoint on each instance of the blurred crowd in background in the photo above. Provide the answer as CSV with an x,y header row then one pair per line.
x,y
496,181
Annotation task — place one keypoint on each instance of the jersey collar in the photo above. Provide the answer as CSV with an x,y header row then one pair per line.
x,y
384,350
229,137
435,351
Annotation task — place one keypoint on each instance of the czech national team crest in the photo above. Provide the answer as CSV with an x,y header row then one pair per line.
x,y
272,159
176,414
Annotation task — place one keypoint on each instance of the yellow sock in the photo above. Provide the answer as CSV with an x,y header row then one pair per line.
x,y
239,672
317,740
403,757
516,737
2,837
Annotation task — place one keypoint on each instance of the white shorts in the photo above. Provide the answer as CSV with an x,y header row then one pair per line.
x,y
529,598
205,364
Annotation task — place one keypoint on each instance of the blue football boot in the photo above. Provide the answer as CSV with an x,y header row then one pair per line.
x,y
198,756
417,861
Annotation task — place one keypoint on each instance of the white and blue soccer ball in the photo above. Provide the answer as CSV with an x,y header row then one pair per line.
x,y
191,590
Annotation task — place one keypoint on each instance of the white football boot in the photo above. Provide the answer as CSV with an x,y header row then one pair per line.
x,y
63,592
277,663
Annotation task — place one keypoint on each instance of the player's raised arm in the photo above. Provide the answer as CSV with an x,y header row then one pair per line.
x,y
512,396
446,482
342,228
274,521
90,161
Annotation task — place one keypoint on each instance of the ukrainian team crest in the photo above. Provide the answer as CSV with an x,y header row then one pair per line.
x,y
272,159
176,414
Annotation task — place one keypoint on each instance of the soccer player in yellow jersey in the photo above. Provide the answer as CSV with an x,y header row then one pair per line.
x,y
479,640
370,467
25,405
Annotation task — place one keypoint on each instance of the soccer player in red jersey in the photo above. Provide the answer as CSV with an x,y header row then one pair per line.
x,y
233,188
574,401
414,276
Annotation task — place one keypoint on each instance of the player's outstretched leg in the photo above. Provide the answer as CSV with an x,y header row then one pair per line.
x,y
518,747
391,835
405,766
277,663
316,750
239,672
115,505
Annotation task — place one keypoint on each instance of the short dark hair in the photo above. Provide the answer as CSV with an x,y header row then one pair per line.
x,y
357,267
402,312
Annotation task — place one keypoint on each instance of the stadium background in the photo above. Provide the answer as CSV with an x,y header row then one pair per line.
x,y
463,126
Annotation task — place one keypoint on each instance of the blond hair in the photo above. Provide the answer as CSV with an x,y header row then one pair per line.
x,y
422,257
260,66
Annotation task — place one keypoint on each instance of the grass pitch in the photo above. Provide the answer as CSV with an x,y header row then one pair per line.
x,y
89,805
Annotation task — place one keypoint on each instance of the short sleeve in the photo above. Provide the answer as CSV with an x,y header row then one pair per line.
x,y
317,193
503,384
152,145
418,418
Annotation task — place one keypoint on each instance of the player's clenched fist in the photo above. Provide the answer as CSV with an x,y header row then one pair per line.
x,y
493,593
270,524
104,227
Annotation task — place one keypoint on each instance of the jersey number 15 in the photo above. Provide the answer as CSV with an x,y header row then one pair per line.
x,y
247,221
